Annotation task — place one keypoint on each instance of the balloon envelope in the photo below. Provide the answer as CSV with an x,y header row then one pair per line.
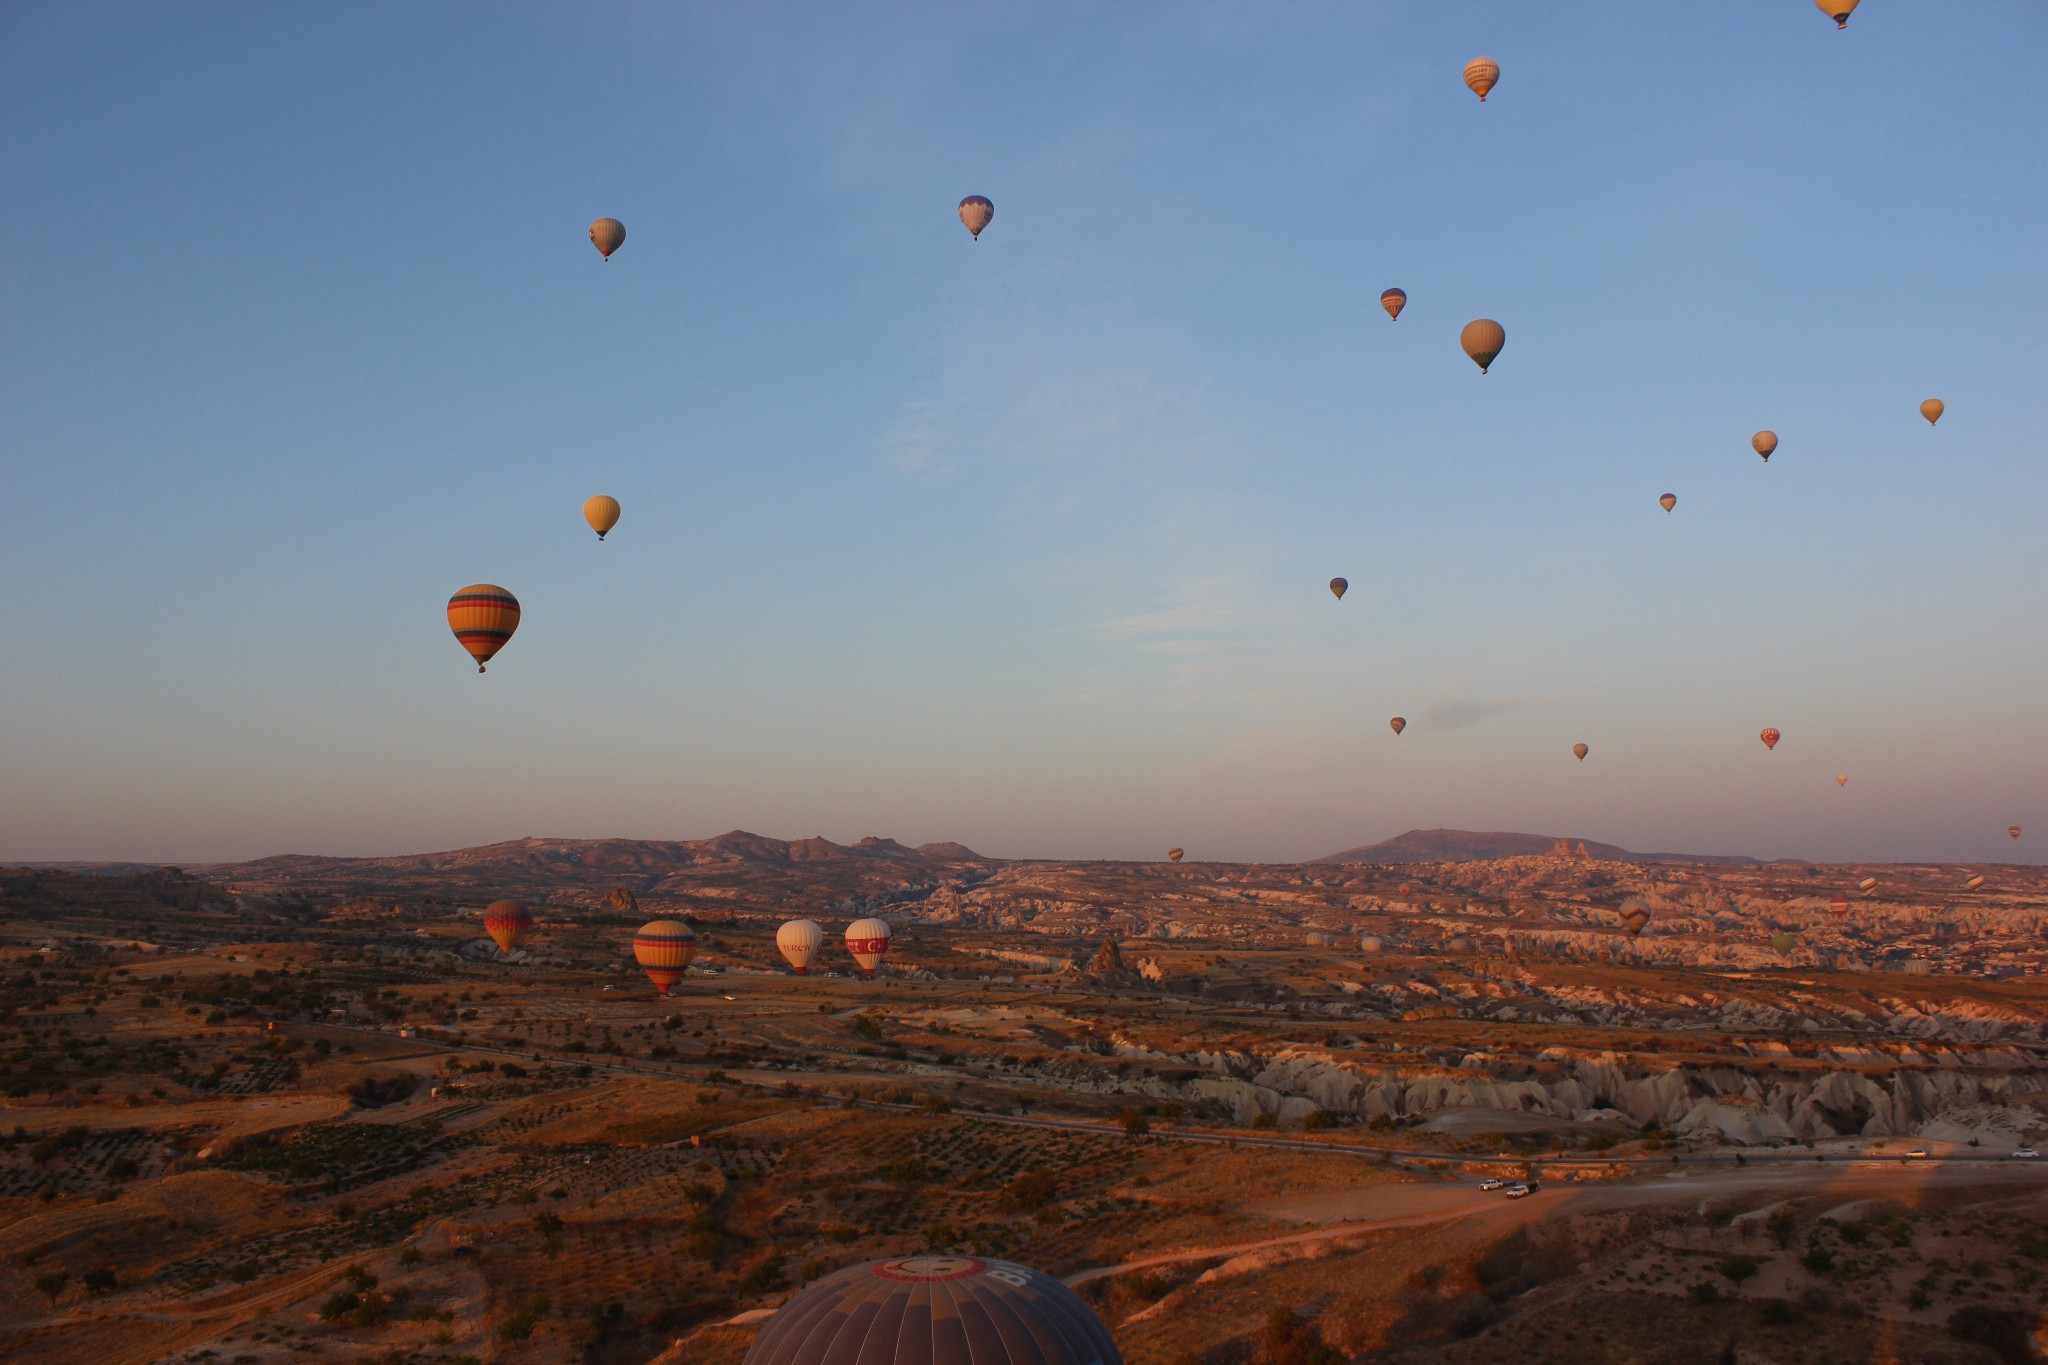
x,y
1482,74
868,940
935,1310
1932,410
1837,10
1581,751
663,948
1174,855
1840,905
1394,300
602,513
976,212
507,923
1398,724
1974,882
1668,501
608,235
1635,915
1867,885
1783,944
1769,735
1482,340
2013,830
1763,443
483,617
1841,779
799,941
1340,586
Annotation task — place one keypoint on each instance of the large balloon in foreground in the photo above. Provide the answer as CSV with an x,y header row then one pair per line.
x,y
1837,10
607,235
1841,779
1394,300
1482,340
1769,735
507,922
1580,751
1782,944
2013,830
1174,855
602,513
868,940
1340,586
1840,905
935,1310
1634,916
1668,501
483,617
976,212
663,948
799,941
1763,443
1976,880
1932,410
1398,724
1482,74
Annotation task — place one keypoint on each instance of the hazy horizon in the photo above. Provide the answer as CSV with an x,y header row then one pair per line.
x,y
1021,542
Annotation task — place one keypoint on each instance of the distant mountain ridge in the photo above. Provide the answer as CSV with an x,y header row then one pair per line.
x,y
623,858
1466,846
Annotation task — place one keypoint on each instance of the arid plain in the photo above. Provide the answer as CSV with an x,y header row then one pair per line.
x,y
303,1108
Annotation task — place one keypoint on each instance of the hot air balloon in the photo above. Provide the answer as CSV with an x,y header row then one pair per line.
x,y
663,948
1841,779
1840,905
1482,340
507,922
1482,73
1580,751
1783,944
1867,885
602,513
1769,735
1763,443
935,1310
1932,410
1634,916
1669,501
1837,10
868,940
1394,300
1406,890
976,212
1398,724
799,941
2013,830
1173,855
483,617
1340,586
607,235
1974,882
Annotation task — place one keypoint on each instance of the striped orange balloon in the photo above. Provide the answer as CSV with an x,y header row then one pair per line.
x,y
507,923
1394,300
663,948
483,617
1482,74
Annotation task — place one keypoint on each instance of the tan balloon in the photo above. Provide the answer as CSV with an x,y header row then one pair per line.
x,y
1398,724
1932,410
1482,340
1482,74
976,213
1580,751
1763,443
799,941
602,513
1837,10
1841,779
868,940
1669,501
607,235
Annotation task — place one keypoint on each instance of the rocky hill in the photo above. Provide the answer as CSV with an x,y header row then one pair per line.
x,y
1465,845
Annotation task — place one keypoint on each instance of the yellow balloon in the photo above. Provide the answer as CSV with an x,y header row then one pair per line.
x,y
1837,10
1932,410
602,513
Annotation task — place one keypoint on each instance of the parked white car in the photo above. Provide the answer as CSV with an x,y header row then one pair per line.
x,y
1491,1183
2024,1151
1520,1191
1917,1154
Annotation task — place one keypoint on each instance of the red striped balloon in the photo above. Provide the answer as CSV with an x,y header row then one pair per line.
x,y
483,617
507,922
663,948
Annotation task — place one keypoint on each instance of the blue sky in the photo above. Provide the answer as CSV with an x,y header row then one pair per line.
x,y
1021,542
